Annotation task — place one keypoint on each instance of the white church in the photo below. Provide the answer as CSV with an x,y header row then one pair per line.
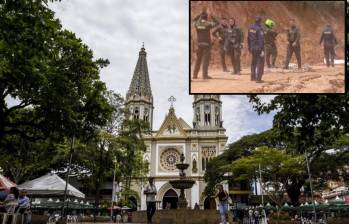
x,y
199,142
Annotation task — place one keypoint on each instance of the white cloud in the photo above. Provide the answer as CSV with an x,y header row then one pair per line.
x,y
115,29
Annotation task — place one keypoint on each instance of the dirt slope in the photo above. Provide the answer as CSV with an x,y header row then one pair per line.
x,y
315,79
311,19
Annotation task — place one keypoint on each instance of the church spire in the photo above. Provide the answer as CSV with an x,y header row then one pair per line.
x,y
140,84
139,99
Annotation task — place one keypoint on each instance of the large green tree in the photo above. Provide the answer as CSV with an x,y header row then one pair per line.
x,y
311,124
49,72
276,167
216,168
50,89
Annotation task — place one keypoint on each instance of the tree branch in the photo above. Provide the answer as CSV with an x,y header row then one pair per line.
x,y
19,106
24,135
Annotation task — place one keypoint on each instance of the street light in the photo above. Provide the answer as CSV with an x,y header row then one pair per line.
x,y
113,189
67,178
309,174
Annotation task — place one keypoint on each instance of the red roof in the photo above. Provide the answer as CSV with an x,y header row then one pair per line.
x,y
6,184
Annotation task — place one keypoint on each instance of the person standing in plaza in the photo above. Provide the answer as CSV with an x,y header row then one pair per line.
x,y
24,206
150,192
223,202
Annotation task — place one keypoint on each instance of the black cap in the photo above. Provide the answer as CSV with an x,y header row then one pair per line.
x,y
258,19
204,15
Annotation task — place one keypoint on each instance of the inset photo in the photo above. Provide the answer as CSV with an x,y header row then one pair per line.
x,y
239,47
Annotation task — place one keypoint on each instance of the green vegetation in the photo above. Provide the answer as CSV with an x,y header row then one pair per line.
x,y
316,124
61,107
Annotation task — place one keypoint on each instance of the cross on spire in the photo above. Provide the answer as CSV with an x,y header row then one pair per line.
x,y
172,100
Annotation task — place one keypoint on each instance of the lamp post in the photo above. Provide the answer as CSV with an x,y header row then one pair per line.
x,y
113,189
309,173
311,185
67,178
262,193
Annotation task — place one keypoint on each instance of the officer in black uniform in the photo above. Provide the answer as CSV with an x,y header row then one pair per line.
x,y
203,28
221,33
330,42
256,48
293,37
234,43
270,46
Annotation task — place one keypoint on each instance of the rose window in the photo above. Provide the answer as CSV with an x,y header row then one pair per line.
x,y
169,158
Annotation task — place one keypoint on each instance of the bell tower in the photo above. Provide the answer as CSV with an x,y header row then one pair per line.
x,y
207,112
139,98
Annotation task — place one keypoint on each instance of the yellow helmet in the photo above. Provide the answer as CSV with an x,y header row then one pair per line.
x,y
269,23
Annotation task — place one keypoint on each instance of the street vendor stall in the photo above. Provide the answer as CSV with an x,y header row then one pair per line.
x,y
50,185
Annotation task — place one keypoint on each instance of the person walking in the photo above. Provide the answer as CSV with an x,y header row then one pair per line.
x,y
256,48
150,192
293,38
203,29
223,202
330,41
221,33
24,206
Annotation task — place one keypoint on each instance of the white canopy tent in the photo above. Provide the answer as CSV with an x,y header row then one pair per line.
x,y
50,185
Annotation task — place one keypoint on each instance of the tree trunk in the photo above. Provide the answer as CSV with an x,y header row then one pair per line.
x,y
97,182
294,191
2,120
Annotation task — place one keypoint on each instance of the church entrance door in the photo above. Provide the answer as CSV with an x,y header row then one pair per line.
x,y
170,200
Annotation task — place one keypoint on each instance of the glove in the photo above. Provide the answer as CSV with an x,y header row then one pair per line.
x,y
262,54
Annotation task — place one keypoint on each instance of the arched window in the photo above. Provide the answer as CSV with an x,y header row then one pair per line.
x,y
203,164
136,113
207,115
146,114
217,116
197,114
195,169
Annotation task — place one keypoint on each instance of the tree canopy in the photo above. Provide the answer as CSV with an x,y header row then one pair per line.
x,y
316,124
277,168
50,74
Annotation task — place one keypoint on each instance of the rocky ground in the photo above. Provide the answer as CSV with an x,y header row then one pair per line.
x,y
310,79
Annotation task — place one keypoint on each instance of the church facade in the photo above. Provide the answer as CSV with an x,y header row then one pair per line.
x,y
204,139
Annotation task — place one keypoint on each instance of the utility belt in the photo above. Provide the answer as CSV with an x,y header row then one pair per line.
x,y
297,43
272,44
204,44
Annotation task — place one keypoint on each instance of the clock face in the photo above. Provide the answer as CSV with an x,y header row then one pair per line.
x,y
169,158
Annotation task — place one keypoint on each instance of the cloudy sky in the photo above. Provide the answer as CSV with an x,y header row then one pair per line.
x,y
115,29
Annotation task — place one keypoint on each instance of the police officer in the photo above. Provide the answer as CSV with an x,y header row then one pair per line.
x,y
203,28
330,42
270,46
256,48
234,43
293,37
221,33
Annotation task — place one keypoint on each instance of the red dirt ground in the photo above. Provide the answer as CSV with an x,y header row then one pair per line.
x,y
311,20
